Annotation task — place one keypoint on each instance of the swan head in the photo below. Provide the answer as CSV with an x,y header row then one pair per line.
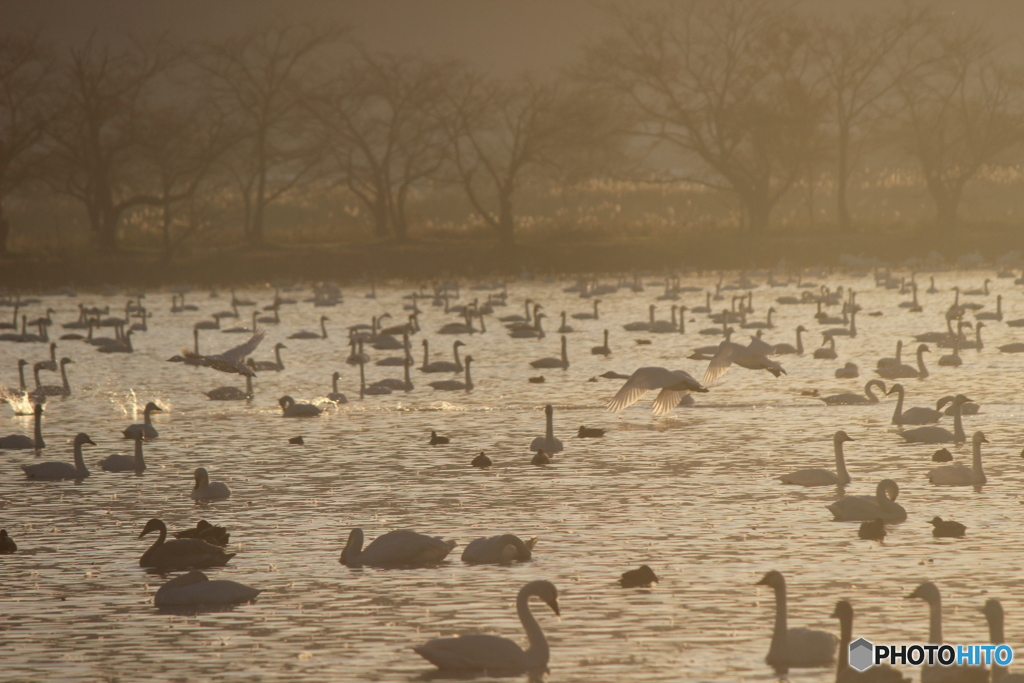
x,y
153,408
65,361
887,488
774,579
469,359
279,345
457,342
979,438
202,477
801,328
923,348
928,592
324,318
843,611
285,401
22,363
960,399
153,525
83,438
993,610
549,410
898,389
546,591
841,436
353,546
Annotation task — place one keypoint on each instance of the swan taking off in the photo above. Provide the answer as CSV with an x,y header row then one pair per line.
x,y
816,476
959,474
495,655
548,443
754,356
398,549
232,360
797,648
674,385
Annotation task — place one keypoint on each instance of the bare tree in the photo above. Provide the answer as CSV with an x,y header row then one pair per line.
x,y
382,133
857,63
25,72
259,79
726,84
94,138
500,131
962,109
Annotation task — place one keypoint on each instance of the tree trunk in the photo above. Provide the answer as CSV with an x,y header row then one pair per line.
x,y
381,229
398,220
842,183
759,210
5,230
167,229
506,222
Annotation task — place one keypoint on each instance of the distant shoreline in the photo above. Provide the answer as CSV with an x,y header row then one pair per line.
x,y
426,261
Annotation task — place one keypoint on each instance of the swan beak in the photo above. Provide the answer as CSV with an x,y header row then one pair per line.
x,y
554,607
90,442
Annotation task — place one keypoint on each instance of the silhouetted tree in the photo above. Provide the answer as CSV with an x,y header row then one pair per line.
x,y
856,59
962,109
382,133
94,139
498,131
25,71
725,83
260,81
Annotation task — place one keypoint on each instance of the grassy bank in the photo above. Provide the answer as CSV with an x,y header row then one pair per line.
x,y
427,260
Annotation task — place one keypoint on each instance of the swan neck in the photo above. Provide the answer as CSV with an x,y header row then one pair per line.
x,y
799,342
469,380
458,363
935,622
79,460
140,462
845,636
844,476
21,376
958,422
777,649
897,415
549,431
979,473
537,653
38,429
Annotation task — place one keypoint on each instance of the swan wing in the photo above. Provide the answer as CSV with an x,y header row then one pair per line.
x,y
761,347
639,383
810,647
667,400
242,350
722,360
474,652
405,548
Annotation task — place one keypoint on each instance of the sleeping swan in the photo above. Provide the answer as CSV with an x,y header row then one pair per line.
x,y
196,590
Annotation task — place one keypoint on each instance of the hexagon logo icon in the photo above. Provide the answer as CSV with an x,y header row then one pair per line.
x,y
861,654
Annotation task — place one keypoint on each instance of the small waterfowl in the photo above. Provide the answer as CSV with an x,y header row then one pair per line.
x,y
180,554
872,530
481,461
501,549
540,458
196,590
848,371
943,529
203,530
55,471
204,489
297,440
942,455
146,428
589,433
398,549
641,577
436,440
7,544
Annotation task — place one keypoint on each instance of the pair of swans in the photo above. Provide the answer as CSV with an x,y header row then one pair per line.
x,y
494,655
62,389
816,476
180,554
935,434
904,371
145,428
442,365
56,471
674,385
205,490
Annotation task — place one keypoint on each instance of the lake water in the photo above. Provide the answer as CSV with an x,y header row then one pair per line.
x,y
693,494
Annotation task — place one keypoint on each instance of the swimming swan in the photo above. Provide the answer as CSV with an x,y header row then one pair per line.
x,y
20,441
503,549
290,408
815,476
207,490
795,647
146,428
959,474
454,384
882,505
196,590
674,385
993,611
562,362
937,673
493,654
547,443
844,672
182,553
228,393
935,434
911,416
907,371
855,399
55,471
126,463
398,549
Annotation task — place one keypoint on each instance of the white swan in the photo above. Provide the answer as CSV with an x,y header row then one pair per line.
x,y
935,434
207,490
905,371
306,334
55,471
993,611
15,442
754,356
495,655
911,416
783,349
989,315
642,325
398,549
816,476
196,590
588,316
879,673
10,394
882,505
794,648
604,349
146,428
454,384
290,408
275,365
936,673
959,474
335,395
62,389
674,385
562,363
849,399
126,463
892,362
548,443
829,353
502,549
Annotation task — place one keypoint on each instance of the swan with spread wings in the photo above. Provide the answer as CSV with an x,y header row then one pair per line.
x,y
674,385
232,360
754,356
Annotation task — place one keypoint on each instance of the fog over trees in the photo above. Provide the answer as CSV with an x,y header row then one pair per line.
x,y
738,116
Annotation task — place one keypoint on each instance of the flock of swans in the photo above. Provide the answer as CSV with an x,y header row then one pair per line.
x,y
728,309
